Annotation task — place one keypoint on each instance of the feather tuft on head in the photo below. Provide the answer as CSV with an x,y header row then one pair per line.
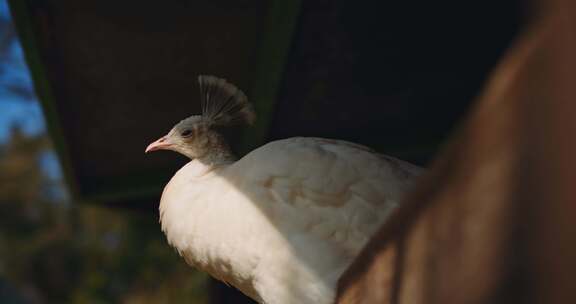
x,y
223,104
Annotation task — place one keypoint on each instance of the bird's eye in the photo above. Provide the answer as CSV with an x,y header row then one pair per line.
x,y
186,133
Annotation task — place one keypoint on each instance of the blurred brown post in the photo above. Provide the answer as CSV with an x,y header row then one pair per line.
x,y
494,219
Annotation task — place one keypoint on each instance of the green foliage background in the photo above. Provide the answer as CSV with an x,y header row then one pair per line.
x,y
53,250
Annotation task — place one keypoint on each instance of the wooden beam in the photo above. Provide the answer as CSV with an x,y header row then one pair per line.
x,y
21,15
272,57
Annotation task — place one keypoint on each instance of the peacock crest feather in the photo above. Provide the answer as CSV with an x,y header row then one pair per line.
x,y
223,104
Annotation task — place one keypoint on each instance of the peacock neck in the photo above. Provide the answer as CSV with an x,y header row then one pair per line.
x,y
218,152
218,157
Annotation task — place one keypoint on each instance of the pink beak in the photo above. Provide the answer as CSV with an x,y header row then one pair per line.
x,y
161,144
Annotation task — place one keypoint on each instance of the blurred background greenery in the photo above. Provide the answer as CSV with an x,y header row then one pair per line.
x,y
53,250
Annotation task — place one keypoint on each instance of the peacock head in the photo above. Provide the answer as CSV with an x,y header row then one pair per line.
x,y
196,137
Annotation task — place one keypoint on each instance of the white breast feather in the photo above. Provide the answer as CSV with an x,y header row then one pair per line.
x,y
285,221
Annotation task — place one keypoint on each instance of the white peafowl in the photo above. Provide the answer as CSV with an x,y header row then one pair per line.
x,y
282,223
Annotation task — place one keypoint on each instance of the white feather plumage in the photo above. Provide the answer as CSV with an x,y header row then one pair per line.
x,y
285,221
